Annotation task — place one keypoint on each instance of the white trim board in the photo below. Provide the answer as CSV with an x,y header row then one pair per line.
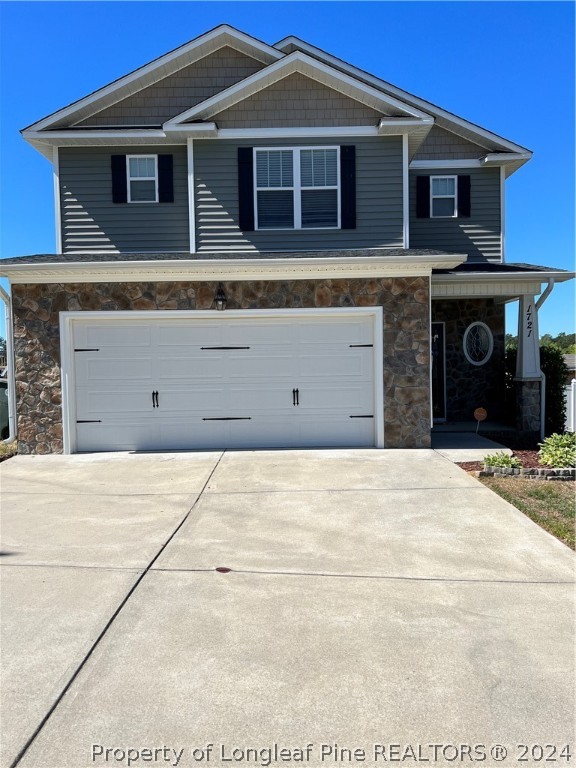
x,y
67,320
502,214
229,269
191,195
57,204
405,192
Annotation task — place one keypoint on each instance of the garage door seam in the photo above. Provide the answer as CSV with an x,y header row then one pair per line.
x,y
109,623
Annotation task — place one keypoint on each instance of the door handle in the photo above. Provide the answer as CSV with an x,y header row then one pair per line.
x,y
155,403
295,397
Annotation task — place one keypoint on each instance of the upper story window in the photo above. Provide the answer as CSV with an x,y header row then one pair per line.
x,y
142,172
443,197
297,188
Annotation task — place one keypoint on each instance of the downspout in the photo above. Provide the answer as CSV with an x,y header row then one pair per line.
x,y
547,291
10,367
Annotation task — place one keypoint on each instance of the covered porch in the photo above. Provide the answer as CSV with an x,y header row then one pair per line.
x,y
468,349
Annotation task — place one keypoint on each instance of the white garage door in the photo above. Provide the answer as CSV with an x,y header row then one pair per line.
x,y
223,382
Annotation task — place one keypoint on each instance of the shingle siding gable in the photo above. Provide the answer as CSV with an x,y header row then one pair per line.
x,y
180,91
296,101
441,144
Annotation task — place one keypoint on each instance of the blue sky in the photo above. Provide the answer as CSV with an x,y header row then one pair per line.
x,y
508,66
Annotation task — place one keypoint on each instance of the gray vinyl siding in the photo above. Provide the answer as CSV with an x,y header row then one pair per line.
x,y
379,221
441,144
479,235
92,222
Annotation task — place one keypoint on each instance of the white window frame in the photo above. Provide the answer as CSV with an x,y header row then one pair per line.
x,y
444,197
296,189
490,336
129,179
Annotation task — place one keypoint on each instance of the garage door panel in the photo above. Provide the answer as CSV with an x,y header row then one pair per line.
x,y
104,437
273,366
110,401
199,366
103,368
262,397
320,433
211,397
256,333
190,335
330,364
343,400
340,333
192,400
116,335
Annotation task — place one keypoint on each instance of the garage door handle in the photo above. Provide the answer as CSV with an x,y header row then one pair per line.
x,y
155,403
295,397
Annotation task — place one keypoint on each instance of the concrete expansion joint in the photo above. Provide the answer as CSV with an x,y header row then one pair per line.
x,y
72,566
270,492
384,577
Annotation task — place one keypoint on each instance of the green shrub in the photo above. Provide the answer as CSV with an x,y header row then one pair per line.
x,y
554,368
7,450
501,459
559,450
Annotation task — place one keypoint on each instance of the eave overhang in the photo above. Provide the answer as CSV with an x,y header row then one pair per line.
x,y
301,268
448,120
505,286
44,141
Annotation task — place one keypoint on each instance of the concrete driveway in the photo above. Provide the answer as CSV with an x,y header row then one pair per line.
x,y
381,601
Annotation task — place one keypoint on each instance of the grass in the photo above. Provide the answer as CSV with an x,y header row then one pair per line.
x,y
7,450
550,504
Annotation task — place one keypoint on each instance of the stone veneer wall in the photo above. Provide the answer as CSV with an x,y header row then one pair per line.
x,y
528,408
406,340
472,386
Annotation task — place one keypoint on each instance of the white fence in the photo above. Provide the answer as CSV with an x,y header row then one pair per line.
x,y
570,397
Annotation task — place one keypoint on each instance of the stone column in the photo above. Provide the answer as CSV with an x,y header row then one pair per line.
x,y
528,374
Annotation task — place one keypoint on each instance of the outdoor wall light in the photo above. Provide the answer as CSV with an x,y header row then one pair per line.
x,y
220,298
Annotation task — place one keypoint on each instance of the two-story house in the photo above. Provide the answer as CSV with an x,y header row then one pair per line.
x,y
264,246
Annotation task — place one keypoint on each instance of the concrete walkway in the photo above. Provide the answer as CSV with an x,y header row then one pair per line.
x,y
465,446
373,598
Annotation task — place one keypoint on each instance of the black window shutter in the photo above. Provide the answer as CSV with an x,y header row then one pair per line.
x,y
165,179
422,197
246,188
348,187
464,196
119,183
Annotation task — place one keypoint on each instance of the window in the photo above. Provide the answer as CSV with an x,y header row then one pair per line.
x,y
142,173
443,191
478,343
297,188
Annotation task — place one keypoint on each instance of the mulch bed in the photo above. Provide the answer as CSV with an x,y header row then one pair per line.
x,y
528,459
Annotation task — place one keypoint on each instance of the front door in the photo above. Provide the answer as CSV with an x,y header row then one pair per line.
x,y
438,372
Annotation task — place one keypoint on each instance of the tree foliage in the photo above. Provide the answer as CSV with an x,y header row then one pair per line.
x,y
565,341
